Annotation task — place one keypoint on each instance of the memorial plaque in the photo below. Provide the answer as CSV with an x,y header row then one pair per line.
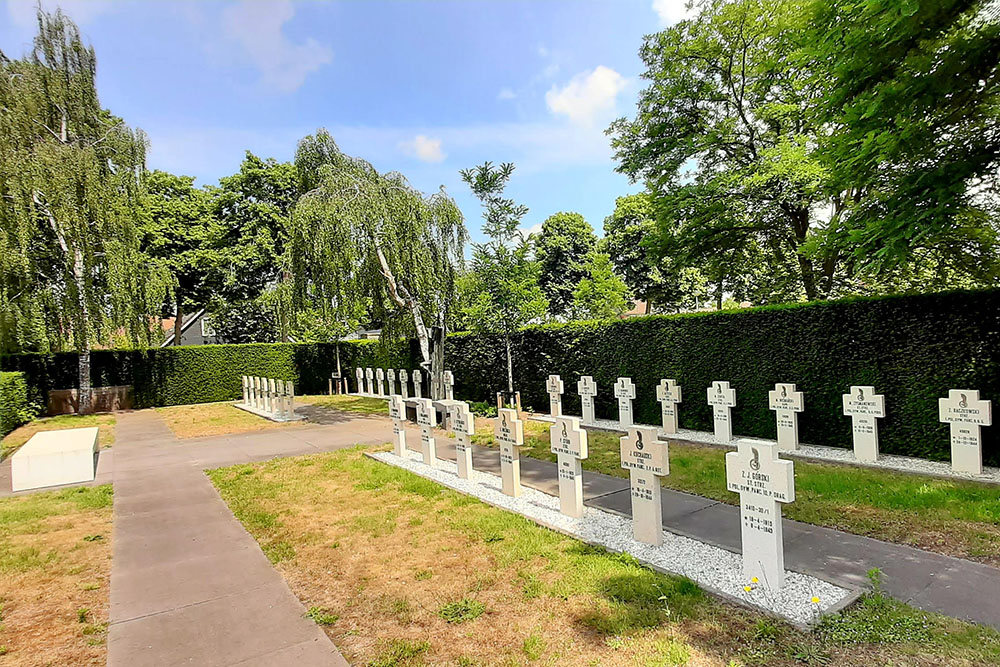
x,y
722,399
380,380
427,420
587,389
397,412
967,414
647,459
404,384
569,443
390,376
625,392
463,422
370,381
509,432
418,383
555,388
787,403
449,386
669,395
763,481
864,407
361,380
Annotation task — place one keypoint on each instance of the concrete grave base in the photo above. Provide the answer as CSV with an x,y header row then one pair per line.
x,y
53,458
270,416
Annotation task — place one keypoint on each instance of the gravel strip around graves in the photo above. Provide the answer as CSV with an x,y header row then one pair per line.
x,y
711,567
816,453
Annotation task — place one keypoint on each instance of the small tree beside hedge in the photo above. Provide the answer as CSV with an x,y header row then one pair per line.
x,y
16,407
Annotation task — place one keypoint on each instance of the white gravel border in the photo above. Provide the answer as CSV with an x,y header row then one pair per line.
x,y
814,452
715,569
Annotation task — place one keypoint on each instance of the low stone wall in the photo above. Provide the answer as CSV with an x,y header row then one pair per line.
x,y
103,399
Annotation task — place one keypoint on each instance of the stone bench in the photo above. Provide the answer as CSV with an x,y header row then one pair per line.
x,y
52,458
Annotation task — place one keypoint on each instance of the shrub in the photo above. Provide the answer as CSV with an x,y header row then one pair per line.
x,y
16,407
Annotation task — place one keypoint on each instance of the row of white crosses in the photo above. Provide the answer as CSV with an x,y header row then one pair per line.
x,y
276,397
962,409
382,383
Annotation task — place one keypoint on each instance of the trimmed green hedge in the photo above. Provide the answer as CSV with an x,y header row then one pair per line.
x,y
913,349
16,407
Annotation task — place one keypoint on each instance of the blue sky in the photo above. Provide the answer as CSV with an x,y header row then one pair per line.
x,y
424,88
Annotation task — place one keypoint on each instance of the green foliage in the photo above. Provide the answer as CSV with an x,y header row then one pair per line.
x,y
913,349
399,652
16,407
600,294
562,249
876,619
321,616
461,611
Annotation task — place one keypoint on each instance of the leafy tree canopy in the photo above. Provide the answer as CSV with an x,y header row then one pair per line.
x,y
601,294
561,249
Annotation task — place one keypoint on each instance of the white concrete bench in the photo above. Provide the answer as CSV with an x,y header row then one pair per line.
x,y
51,458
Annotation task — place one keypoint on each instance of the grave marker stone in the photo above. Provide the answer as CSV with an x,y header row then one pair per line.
x,y
449,386
463,422
370,381
361,379
418,380
763,481
404,384
722,399
289,399
587,389
864,407
787,403
397,412
427,419
555,388
669,395
646,458
258,392
380,378
569,443
967,414
272,396
390,376
246,390
509,432
625,392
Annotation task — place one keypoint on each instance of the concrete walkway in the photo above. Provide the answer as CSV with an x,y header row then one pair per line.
x,y
189,586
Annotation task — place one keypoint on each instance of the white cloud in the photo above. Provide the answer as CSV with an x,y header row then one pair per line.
x,y
588,97
506,94
672,11
423,148
258,27
22,12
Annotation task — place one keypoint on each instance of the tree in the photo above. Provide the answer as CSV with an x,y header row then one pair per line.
x,y
601,294
561,250
176,230
504,290
72,270
363,235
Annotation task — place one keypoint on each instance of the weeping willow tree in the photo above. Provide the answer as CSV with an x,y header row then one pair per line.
x,y
358,236
71,272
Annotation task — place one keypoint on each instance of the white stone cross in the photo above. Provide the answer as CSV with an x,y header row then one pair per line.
x,y
255,382
863,406
967,414
289,399
360,372
449,386
404,384
390,376
272,396
279,399
397,412
427,419
555,388
370,381
380,379
646,458
723,400
625,392
463,422
787,404
509,432
569,443
763,480
587,389
417,383
246,390
669,395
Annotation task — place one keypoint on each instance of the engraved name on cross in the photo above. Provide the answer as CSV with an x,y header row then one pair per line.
x,y
427,419
404,384
647,459
361,379
967,414
722,399
464,424
555,388
625,392
397,412
864,406
786,403
449,386
509,432
569,443
380,379
669,395
587,389
390,376
418,383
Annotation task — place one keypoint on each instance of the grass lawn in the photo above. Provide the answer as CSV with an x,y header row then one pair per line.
x,y
357,404
55,569
204,419
401,571
956,518
19,436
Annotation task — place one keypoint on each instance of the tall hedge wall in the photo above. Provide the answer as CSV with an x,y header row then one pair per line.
x,y
205,373
911,348
16,406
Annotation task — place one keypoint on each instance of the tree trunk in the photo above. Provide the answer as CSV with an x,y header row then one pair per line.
x,y
649,306
510,369
808,278
437,364
179,317
718,296
84,404
402,297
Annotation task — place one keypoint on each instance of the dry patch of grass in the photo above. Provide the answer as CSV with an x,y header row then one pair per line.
x,y
362,405
206,419
21,435
401,571
55,570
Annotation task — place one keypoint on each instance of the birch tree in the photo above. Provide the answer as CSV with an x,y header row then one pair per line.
x,y
71,272
360,235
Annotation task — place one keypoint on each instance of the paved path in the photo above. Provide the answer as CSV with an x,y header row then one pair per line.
x,y
189,586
